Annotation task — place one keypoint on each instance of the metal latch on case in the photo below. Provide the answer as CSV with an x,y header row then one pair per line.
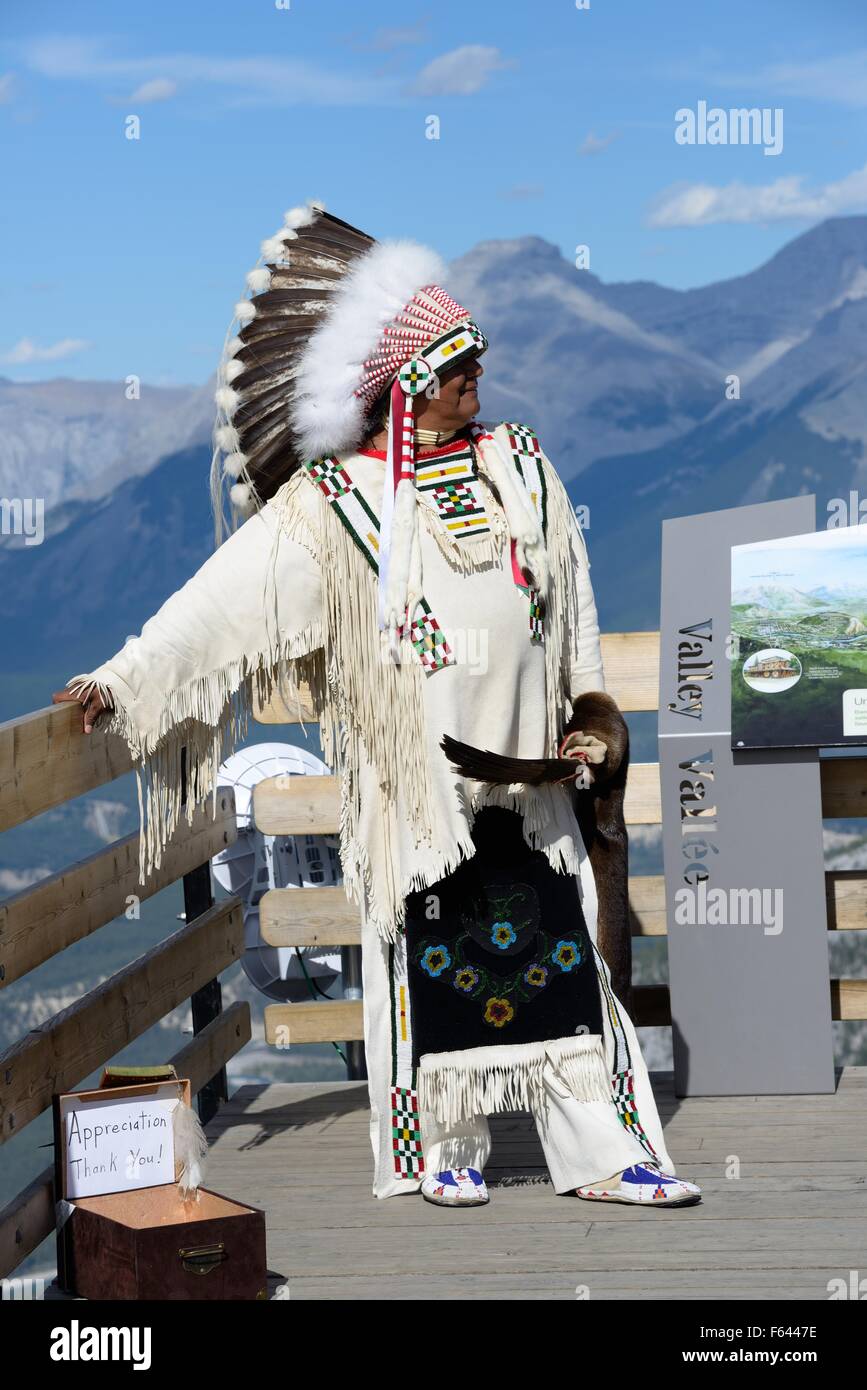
x,y
201,1259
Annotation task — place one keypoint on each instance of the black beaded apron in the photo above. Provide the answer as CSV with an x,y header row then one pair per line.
x,y
498,951
508,959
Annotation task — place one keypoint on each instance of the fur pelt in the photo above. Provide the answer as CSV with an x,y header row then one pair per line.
x,y
603,829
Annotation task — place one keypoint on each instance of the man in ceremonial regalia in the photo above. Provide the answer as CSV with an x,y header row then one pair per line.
x,y
425,575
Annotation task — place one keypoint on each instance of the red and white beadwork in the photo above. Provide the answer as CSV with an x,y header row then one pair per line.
x,y
431,315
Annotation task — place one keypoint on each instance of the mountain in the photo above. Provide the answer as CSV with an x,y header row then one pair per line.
x,y
72,601
590,378
607,371
779,598
626,384
65,441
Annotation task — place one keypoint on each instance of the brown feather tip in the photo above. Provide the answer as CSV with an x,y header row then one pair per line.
x,y
481,765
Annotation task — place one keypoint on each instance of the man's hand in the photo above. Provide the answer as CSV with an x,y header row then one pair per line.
x,y
586,748
92,707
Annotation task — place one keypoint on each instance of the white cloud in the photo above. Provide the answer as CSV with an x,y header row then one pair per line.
x,y
158,89
523,192
7,88
105,819
388,38
595,144
461,72
26,350
784,200
399,36
256,81
15,880
841,79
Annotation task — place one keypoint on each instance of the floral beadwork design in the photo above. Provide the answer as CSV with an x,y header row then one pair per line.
x,y
566,954
510,924
499,1012
466,980
435,960
503,934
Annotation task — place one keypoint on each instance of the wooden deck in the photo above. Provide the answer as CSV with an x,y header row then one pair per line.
x,y
794,1219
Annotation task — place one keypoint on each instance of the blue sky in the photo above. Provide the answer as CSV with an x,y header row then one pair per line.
x,y
125,256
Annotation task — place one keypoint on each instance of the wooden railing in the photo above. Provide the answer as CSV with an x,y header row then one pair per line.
x,y
317,916
45,761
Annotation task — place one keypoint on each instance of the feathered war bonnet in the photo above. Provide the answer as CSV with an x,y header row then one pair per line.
x,y
336,323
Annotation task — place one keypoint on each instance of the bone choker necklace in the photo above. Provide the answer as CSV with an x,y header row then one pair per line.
x,y
432,439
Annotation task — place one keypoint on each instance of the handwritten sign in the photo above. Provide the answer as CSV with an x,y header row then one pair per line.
x,y
117,1145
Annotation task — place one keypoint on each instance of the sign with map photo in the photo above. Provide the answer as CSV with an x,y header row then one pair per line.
x,y
799,640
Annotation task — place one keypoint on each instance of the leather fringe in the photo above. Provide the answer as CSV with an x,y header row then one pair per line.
x,y
454,1086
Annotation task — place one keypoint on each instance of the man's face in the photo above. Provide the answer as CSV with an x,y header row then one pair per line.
x,y
457,401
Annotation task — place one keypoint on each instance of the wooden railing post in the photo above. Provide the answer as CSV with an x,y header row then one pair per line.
x,y
207,1002
350,964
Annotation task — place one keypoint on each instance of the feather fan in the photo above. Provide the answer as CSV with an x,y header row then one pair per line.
x,y
484,766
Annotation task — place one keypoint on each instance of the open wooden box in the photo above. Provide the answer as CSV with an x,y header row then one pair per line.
x,y
148,1242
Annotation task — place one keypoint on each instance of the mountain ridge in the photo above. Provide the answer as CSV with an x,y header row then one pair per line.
x,y
623,382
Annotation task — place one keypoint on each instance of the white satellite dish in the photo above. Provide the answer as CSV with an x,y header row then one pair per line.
x,y
256,863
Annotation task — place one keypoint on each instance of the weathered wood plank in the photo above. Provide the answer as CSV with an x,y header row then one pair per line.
x,y
699,1284
45,759
647,916
338,1020
642,803
26,1221
326,917
844,786
297,708
301,805
297,805
309,917
630,660
849,999
342,1021
477,1245
795,1219
631,664
288,1024
311,805
57,1055
46,918
846,896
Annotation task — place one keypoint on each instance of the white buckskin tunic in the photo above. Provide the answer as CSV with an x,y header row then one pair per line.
x,y
291,593
289,590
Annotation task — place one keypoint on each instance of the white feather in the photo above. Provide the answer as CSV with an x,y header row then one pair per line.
x,y
272,248
226,438
259,279
303,216
191,1149
229,370
327,416
227,399
241,496
234,464
245,310
233,346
